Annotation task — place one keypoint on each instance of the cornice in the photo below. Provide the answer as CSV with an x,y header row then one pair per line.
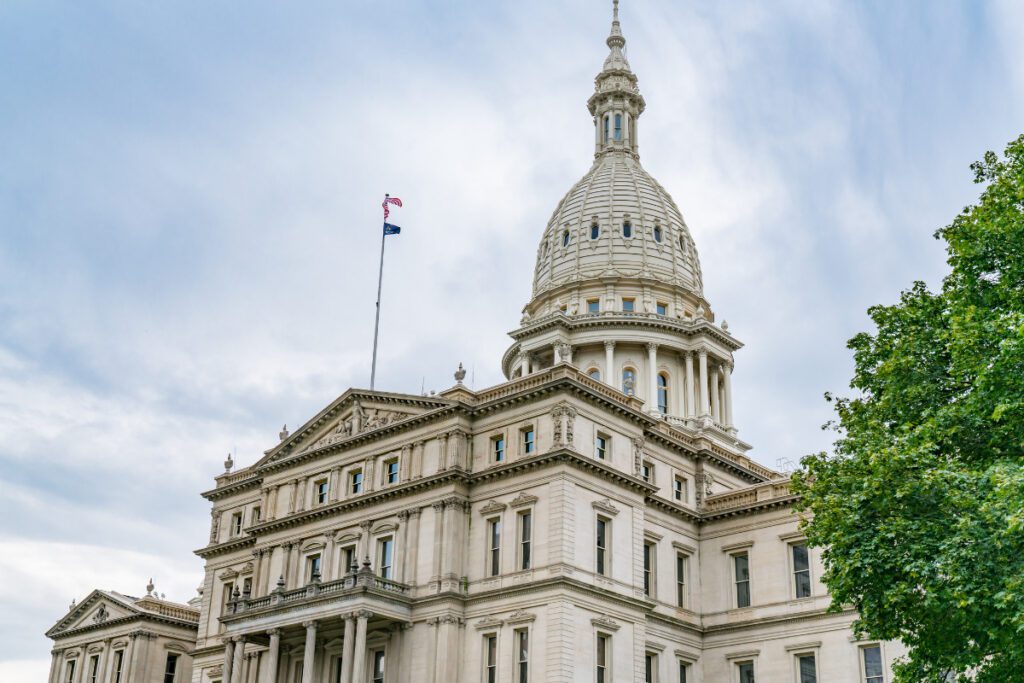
x,y
226,547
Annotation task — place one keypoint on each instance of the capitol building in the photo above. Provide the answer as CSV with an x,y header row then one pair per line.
x,y
593,519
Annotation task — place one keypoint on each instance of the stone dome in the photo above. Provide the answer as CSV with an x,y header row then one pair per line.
x,y
617,221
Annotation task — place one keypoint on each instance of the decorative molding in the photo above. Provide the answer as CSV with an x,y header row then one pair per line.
x,y
310,547
652,536
606,623
384,527
489,623
655,647
523,499
520,617
687,657
605,506
813,645
745,654
735,547
491,507
793,537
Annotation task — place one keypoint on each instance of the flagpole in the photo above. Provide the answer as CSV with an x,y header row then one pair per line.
x,y
376,322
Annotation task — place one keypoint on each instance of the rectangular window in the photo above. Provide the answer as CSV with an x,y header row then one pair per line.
x,y
170,668
522,656
679,492
391,471
385,557
647,472
226,597
491,659
525,536
498,448
338,666
118,665
618,126
528,440
312,568
628,305
257,515
649,562
601,447
378,666
321,491
682,673
801,571
808,669
70,671
746,670
680,580
603,533
236,524
741,565
661,308
650,668
356,482
247,587
873,664
593,305
602,658
494,546
94,666
348,558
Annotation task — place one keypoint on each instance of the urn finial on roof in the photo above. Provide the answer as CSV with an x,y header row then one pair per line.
x,y
150,587
228,463
284,433
460,374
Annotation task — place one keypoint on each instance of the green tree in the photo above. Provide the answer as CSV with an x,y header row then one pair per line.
x,y
920,508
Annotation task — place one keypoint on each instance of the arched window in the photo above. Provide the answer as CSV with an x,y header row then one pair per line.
x,y
682,243
629,381
595,231
627,229
594,373
618,126
657,233
663,393
565,238
606,129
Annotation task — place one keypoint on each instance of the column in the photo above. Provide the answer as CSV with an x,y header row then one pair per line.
x,y
702,364
140,661
294,497
271,511
690,400
556,356
301,494
359,654
412,546
348,648
405,464
236,666
609,363
363,547
327,563
403,531
55,662
229,659
442,453
265,573
652,377
101,664
727,370
273,652
715,414
257,571
309,654
438,539
417,459
450,549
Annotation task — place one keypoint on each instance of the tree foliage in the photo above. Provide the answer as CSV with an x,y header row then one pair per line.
x,y
920,508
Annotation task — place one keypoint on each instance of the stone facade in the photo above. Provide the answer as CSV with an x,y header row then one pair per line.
x,y
114,638
594,518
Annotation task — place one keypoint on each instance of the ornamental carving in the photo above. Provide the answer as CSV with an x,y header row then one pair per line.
x,y
523,499
638,455
492,507
606,623
521,617
605,506
563,418
489,622
101,615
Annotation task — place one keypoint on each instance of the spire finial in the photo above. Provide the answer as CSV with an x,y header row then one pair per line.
x,y
615,38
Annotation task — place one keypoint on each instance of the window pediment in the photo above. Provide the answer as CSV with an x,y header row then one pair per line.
x,y
521,617
606,623
489,623
384,528
492,507
605,506
523,499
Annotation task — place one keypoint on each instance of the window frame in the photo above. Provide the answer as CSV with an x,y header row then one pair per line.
x,y
660,308
524,523
627,230
650,667
738,668
793,571
736,581
236,523
490,657
378,656
647,471
862,657
519,661
650,563
322,490
680,489
256,514
386,570
602,545
594,305
94,669
171,667
356,482
663,384
595,231
629,304
682,579
493,547
498,448
117,666
603,657
602,446
799,655
314,563
391,477
528,440
657,233
594,374
69,669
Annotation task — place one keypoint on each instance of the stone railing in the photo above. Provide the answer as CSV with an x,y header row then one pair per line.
x,y
350,583
170,610
748,496
229,478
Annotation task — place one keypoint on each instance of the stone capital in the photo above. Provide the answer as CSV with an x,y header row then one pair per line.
x,y
311,624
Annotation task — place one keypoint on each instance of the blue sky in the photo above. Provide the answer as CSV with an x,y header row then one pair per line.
x,y
189,212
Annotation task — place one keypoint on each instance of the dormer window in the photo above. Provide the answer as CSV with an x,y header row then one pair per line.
x,y
627,229
595,231
565,238
618,126
657,234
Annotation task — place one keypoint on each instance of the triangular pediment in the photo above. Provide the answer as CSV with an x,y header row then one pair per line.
x,y
96,609
351,415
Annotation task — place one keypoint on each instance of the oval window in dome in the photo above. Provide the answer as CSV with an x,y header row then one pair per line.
x,y
565,238
657,233
627,229
595,231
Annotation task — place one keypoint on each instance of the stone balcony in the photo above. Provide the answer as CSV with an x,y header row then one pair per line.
x,y
359,590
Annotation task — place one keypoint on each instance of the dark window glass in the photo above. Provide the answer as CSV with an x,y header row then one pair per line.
x,y
873,665
657,234
662,394
648,668
618,126
525,531
601,447
602,539
681,580
499,449
378,666
357,482
661,309
801,571
595,232
627,305
565,238
528,441
594,306
522,656
808,672
387,549
170,668
742,564
648,567
627,229
495,547
492,659
118,665
682,673
391,472
747,672
602,658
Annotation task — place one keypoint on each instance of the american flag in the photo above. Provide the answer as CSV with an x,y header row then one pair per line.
x,y
388,199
